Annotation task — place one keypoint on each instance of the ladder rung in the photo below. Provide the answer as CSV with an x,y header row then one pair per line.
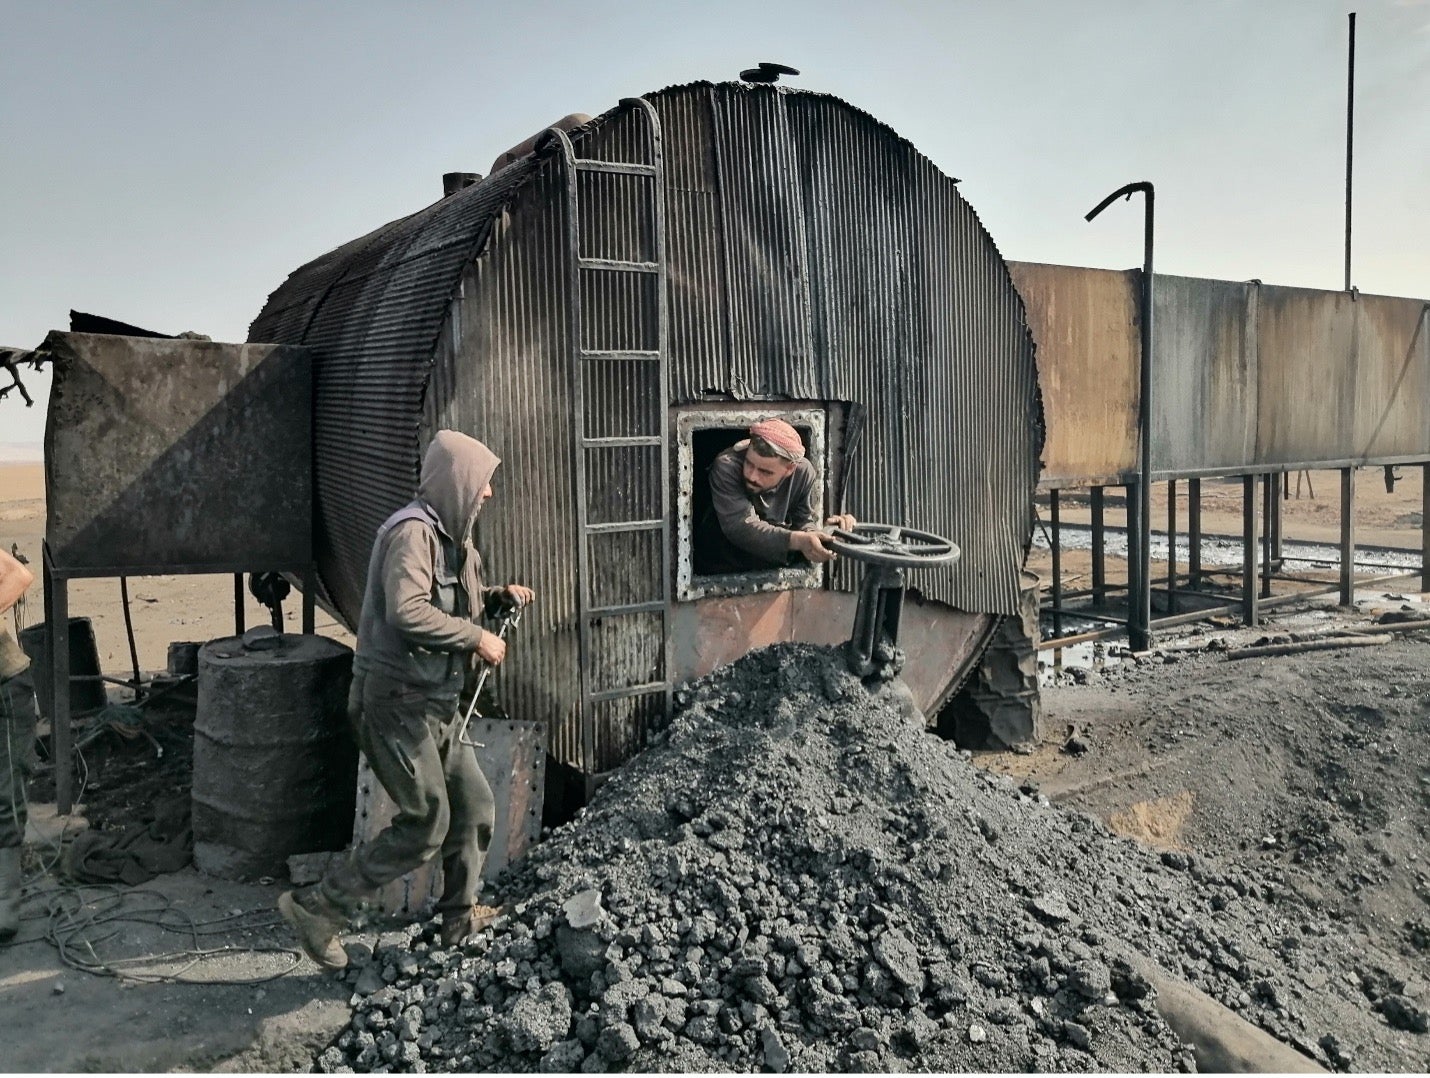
x,y
629,608
616,265
625,168
612,443
633,690
611,354
624,526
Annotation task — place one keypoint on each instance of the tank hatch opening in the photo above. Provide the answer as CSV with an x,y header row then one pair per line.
x,y
702,435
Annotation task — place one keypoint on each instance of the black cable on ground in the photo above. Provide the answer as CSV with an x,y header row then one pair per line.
x,y
81,920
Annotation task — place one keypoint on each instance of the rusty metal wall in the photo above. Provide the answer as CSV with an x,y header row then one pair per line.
x,y
1392,386
1245,376
1085,324
1204,387
171,455
1305,379
813,256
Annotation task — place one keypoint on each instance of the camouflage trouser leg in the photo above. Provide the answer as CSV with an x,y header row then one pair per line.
x,y
17,756
444,803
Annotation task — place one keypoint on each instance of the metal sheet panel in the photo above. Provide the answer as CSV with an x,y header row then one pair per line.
x,y
205,461
1203,374
1085,324
512,756
1392,378
1246,377
1305,377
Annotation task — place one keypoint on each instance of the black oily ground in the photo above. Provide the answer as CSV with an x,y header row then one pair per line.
x,y
796,876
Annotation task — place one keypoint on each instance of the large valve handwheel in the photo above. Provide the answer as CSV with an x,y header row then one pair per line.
x,y
889,544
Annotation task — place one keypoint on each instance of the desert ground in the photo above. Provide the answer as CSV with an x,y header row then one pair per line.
x,y
1306,771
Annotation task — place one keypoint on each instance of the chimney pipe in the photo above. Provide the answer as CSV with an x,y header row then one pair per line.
x,y
452,182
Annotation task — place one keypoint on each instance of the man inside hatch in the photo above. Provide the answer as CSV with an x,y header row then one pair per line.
x,y
416,636
763,495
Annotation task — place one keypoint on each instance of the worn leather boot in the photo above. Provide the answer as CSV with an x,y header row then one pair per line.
x,y
457,925
317,923
9,893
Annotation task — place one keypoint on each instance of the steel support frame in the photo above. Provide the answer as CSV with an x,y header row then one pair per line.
x,y
1054,513
57,641
1267,509
1138,561
1264,563
1348,536
1099,547
1194,531
1172,546
1425,527
1249,613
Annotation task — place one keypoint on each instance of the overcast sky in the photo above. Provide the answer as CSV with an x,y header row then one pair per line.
x,y
169,164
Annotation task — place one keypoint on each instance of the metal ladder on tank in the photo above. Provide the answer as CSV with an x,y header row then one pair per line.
x,y
587,447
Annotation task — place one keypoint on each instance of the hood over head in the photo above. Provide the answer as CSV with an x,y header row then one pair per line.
x,y
455,471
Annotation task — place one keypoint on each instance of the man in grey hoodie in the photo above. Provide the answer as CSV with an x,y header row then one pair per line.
x,y
416,634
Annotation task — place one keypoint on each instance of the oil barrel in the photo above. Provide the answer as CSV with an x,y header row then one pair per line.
x,y
275,767
86,690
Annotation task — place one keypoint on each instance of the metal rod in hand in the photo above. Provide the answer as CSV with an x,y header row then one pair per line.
x,y
509,619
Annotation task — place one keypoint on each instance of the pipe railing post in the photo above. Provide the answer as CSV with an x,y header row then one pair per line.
x,y
1099,549
1133,501
1268,508
1139,602
1250,615
1348,536
1057,542
1171,546
1425,527
1194,532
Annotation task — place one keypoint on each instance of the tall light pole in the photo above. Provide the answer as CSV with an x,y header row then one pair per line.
x,y
1350,135
1139,582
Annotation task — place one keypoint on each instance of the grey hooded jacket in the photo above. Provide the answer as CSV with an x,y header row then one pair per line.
x,y
418,618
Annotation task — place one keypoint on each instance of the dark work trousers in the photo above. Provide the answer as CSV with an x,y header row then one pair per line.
x,y
17,756
444,804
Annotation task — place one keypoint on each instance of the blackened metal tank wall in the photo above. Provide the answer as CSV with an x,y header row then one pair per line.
x,y
816,255
813,256
372,311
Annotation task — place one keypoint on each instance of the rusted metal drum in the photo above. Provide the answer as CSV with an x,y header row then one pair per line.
x,y
275,768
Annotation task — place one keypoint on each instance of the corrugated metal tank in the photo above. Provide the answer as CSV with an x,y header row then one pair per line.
x,y
815,258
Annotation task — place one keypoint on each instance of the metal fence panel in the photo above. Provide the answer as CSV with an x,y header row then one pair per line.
x,y
1084,322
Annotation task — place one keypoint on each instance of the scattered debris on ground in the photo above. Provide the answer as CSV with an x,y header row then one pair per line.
x,y
796,876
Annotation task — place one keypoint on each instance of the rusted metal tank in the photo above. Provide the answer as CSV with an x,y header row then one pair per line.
x,y
603,310
274,765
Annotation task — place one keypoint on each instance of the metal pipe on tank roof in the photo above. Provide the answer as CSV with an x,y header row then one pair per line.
x,y
452,182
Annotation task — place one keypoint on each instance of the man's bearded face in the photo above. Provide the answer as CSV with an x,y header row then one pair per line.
x,y
763,474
